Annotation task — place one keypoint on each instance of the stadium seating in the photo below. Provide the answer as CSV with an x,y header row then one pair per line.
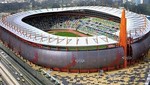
x,y
88,25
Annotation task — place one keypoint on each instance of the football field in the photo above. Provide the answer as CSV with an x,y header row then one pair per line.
x,y
66,34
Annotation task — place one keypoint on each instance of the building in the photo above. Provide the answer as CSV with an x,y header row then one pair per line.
x,y
124,1
146,1
11,1
137,2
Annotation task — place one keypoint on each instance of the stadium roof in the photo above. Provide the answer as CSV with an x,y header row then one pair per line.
x,y
137,26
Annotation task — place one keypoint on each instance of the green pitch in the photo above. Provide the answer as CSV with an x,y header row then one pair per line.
x,y
66,34
88,48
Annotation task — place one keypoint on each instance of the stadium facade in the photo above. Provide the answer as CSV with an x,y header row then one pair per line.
x,y
52,51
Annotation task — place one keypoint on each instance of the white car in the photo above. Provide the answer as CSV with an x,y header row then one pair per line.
x,y
22,80
16,73
21,75
2,53
18,79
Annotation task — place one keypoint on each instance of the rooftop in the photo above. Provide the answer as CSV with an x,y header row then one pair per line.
x,y
137,26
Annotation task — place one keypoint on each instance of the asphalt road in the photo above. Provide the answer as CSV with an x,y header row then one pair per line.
x,y
34,76
7,62
2,81
15,69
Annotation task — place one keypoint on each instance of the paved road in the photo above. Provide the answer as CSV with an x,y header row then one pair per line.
x,y
15,69
7,62
34,76
7,77
2,81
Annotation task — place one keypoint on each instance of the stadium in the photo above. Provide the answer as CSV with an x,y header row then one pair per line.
x,y
77,39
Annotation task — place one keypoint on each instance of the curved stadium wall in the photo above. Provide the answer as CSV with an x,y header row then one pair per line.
x,y
75,61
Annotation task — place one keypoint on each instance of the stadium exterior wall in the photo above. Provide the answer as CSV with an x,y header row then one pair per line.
x,y
141,47
73,60
64,60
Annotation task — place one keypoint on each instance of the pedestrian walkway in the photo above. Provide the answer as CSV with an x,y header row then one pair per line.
x,y
133,75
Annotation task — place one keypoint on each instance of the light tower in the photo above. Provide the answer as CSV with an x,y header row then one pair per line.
x,y
123,36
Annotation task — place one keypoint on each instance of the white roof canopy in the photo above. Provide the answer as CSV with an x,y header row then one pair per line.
x,y
137,25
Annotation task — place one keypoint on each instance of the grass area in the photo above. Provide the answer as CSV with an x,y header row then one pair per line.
x,y
66,34
88,48
81,48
